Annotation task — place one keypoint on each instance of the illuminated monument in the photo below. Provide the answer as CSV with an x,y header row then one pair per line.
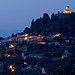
x,y
65,14
67,11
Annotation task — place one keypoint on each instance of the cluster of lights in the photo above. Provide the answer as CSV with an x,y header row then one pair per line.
x,y
25,36
12,68
67,41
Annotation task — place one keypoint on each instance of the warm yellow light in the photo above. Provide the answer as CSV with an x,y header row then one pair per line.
x,y
10,66
11,46
30,37
12,69
25,38
26,34
25,63
39,34
67,11
56,35
67,41
42,43
8,55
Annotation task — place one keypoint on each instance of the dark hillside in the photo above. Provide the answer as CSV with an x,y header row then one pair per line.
x,y
58,23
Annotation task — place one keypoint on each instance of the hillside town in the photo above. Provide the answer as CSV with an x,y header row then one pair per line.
x,y
46,48
15,46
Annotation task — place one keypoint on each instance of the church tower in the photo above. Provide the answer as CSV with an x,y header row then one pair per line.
x,y
67,11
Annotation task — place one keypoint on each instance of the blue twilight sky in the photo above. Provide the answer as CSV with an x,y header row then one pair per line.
x,y
15,15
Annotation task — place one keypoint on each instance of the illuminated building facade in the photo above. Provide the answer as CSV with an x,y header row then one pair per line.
x,y
67,11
